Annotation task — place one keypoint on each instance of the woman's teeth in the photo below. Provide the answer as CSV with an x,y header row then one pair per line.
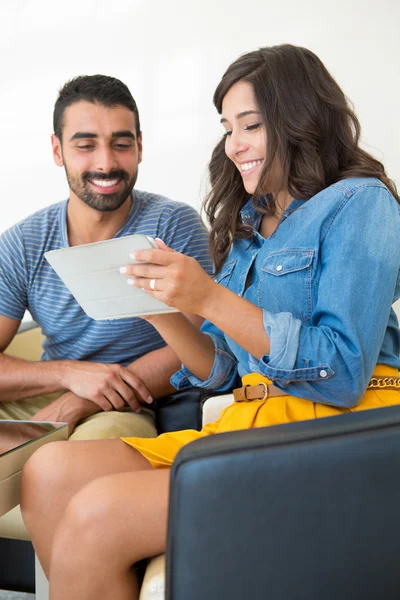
x,y
249,165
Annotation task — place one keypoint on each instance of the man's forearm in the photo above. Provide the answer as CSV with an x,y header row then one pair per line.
x,y
155,370
21,379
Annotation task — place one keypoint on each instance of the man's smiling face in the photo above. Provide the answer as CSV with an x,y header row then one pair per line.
x,y
100,151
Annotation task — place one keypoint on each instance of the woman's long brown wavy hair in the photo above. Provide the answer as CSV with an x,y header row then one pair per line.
x,y
310,127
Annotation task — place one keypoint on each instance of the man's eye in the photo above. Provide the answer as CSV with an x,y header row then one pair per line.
x,y
253,126
85,146
123,146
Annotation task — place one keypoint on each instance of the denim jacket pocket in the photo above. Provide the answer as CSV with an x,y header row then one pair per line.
x,y
225,274
285,283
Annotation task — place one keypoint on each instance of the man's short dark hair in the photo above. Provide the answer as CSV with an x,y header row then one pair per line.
x,y
98,89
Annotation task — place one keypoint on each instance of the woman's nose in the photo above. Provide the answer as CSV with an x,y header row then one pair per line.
x,y
235,144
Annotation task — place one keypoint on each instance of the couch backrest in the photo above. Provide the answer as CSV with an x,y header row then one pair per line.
x,y
27,344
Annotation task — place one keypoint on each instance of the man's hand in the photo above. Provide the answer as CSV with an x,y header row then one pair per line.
x,y
68,408
109,386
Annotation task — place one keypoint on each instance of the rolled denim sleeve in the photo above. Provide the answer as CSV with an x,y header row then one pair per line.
x,y
223,373
331,358
281,365
283,331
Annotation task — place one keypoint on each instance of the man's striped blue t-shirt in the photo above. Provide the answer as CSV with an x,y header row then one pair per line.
x,y
27,281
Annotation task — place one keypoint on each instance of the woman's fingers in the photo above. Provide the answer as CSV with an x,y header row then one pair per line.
x,y
148,270
175,279
149,285
157,256
162,246
155,264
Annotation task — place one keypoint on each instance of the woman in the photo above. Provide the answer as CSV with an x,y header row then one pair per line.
x,y
305,233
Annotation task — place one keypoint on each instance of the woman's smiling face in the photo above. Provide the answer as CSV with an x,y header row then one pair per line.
x,y
245,137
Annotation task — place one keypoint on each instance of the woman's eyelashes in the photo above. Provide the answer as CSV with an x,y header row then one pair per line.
x,y
253,127
250,127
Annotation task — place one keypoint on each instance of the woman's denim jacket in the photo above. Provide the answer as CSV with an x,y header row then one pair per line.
x,y
326,280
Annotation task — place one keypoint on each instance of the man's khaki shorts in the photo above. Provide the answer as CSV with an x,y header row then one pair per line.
x,y
102,425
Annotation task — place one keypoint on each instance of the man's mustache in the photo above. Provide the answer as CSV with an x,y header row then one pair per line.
x,y
114,174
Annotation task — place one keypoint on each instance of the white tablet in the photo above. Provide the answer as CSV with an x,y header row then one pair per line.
x,y
91,273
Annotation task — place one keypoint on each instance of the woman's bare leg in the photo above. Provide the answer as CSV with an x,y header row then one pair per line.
x,y
57,471
108,526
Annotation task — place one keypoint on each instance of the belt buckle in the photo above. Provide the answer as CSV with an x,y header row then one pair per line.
x,y
240,394
266,391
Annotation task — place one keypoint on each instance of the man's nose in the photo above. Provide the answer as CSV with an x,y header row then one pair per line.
x,y
105,159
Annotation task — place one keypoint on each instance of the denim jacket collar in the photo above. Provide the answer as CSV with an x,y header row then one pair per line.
x,y
250,216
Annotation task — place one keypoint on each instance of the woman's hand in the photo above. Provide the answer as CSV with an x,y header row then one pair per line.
x,y
175,279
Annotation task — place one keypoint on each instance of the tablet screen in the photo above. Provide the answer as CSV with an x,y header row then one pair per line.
x,y
91,273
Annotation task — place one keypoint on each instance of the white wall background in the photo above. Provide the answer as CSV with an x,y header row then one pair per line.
x,y
171,54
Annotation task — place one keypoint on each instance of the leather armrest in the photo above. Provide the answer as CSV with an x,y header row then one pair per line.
x,y
302,510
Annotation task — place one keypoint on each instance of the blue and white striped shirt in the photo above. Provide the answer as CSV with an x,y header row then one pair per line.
x,y
27,281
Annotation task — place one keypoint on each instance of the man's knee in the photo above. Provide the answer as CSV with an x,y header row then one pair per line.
x,y
111,425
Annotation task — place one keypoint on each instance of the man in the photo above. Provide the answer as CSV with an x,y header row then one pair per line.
x,y
88,367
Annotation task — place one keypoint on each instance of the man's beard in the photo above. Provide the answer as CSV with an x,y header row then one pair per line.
x,y
102,202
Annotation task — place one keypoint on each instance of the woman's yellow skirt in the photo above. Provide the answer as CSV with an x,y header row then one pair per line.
x,y
161,451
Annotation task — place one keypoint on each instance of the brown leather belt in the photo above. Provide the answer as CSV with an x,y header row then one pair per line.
x,y
262,391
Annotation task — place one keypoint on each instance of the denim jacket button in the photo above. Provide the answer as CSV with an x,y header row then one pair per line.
x,y
323,373
279,268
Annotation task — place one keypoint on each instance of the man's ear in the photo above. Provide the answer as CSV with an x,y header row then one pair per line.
x,y
140,147
57,150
